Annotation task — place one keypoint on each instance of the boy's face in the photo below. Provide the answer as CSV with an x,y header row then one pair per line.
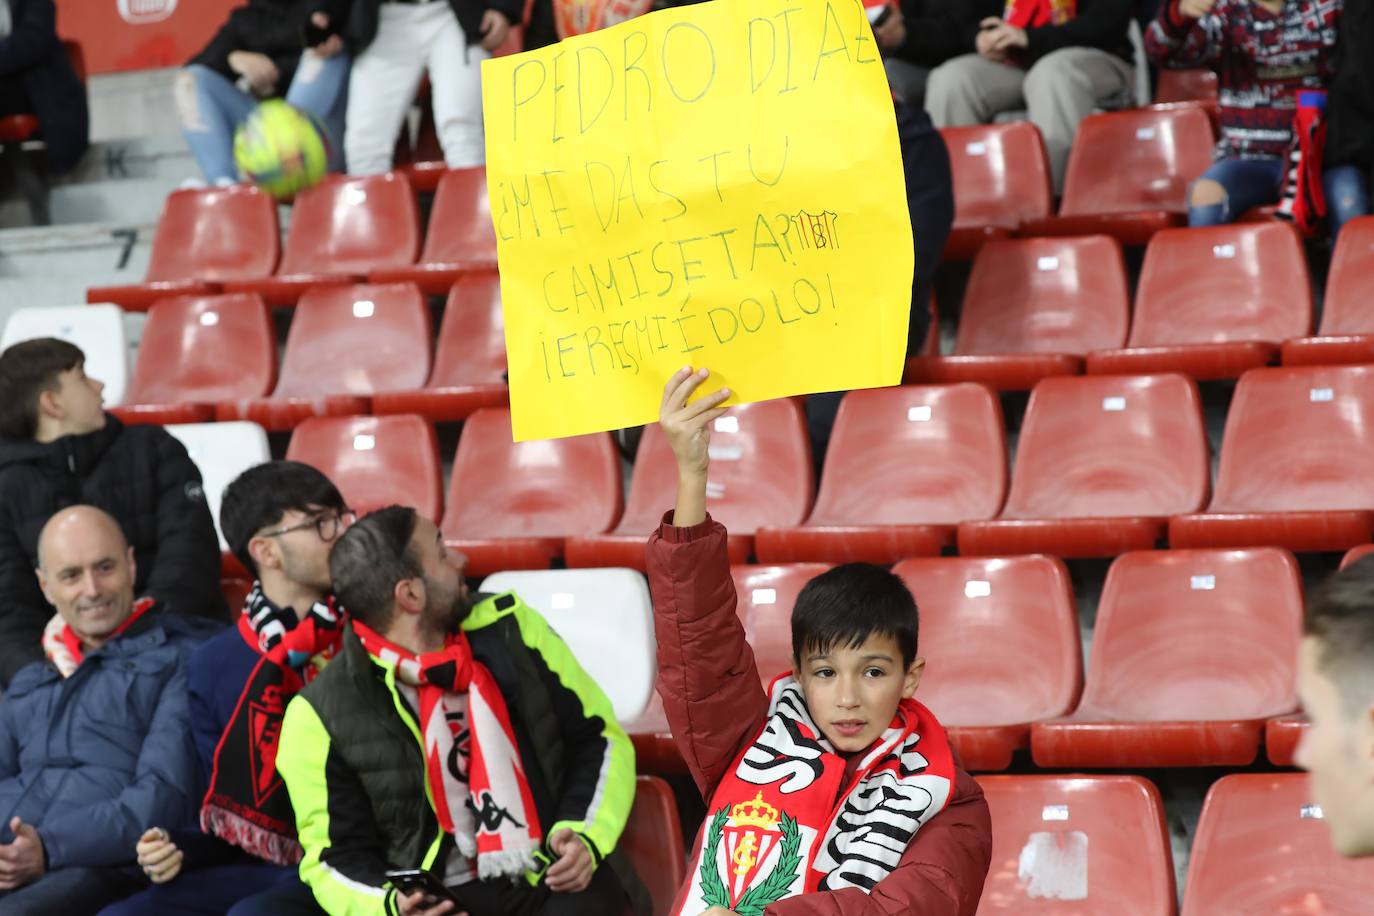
x,y
1337,750
80,400
853,692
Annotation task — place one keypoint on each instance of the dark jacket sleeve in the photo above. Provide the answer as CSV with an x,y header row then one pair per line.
x,y
1099,24
707,676
941,873
32,38
186,574
23,609
937,30
513,10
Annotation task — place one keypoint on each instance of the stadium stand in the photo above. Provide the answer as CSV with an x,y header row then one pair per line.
x,y
460,238
653,841
375,461
766,596
1346,335
1001,180
222,451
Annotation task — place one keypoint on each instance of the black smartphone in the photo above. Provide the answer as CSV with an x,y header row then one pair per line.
x,y
410,880
314,35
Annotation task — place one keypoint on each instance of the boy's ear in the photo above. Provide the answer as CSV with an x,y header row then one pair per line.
x,y
913,677
50,403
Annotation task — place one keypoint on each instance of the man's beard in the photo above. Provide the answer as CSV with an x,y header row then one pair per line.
x,y
448,616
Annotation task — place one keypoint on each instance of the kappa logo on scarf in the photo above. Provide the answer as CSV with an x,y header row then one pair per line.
x,y
755,834
264,735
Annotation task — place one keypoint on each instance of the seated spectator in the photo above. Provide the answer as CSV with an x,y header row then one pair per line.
x,y
1265,53
394,44
267,49
1336,687
915,38
36,77
95,742
457,736
281,519
1350,116
1042,56
58,448
913,834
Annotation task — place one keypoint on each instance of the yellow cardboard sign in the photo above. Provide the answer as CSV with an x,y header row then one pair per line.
x,y
718,185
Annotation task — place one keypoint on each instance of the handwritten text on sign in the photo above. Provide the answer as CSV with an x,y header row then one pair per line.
x,y
719,186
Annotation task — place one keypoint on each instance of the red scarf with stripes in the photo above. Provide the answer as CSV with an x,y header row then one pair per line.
x,y
1034,14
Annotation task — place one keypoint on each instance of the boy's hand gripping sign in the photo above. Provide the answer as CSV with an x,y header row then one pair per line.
x,y
720,186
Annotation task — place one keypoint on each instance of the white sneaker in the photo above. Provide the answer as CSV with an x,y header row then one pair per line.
x,y
192,184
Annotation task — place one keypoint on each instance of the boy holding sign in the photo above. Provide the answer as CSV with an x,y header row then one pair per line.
x,y
836,792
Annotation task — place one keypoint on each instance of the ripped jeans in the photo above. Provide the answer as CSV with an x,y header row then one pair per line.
x,y
211,109
1256,182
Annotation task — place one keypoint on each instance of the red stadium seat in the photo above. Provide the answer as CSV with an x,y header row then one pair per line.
x,y
375,461
470,361
1032,309
235,591
1192,652
1215,302
655,750
1101,464
761,475
1197,85
653,841
1356,553
512,504
1001,179
1347,330
197,351
1000,638
460,238
765,596
904,467
203,239
1262,847
1293,471
1077,846
346,343
1129,172
342,229
1281,737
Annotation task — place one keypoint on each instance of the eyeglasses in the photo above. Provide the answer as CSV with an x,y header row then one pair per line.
x,y
329,525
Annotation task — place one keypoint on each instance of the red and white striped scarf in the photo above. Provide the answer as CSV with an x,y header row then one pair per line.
x,y
476,778
1033,14
63,647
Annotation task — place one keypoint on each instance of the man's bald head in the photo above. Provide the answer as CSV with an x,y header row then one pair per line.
x,y
86,569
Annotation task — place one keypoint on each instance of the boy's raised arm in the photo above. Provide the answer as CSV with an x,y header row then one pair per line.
x,y
706,673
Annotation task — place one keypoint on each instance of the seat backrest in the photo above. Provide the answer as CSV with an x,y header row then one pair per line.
x,y
1223,283
460,226
541,488
1196,85
765,596
222,451
1265,824
361,339
215,234
1348,307
653,841
1048,295
472,337
1110,446
1298,439
1142,159
1075,845
1196,635
352,225
761,472
1001,174
375,461
1000,638
203,349
606,619
917,454
97,329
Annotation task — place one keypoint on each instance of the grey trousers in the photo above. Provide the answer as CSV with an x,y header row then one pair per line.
x,y
1059,90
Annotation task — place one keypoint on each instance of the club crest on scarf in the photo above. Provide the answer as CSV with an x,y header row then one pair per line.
x,y
776,830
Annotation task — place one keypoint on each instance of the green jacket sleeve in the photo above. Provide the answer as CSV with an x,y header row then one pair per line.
x,y
344,865
599,761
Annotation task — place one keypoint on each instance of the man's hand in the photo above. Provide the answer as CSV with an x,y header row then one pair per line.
x,y
688,430
158,856
573,870
891,32
1195,9
21,861
495,30
997,38
422,904
257,68
331,45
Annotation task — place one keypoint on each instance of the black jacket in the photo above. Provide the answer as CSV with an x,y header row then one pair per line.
x,y
139,474
1350,108
940,29
364,16
272,27
33,53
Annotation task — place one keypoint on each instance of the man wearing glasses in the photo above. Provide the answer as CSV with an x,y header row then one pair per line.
x,y
281,519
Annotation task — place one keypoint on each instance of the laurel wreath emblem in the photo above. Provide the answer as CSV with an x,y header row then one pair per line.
x,y
779,881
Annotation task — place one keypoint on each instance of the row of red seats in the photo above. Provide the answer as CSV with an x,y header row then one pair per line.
x,y
1211,303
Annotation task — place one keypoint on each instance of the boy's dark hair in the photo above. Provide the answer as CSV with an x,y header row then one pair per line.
x,y
369,559
1340,615
27,369
850,603
261,495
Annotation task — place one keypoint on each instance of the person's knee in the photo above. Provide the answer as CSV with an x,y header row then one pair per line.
x,y
1206,193
1055,74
